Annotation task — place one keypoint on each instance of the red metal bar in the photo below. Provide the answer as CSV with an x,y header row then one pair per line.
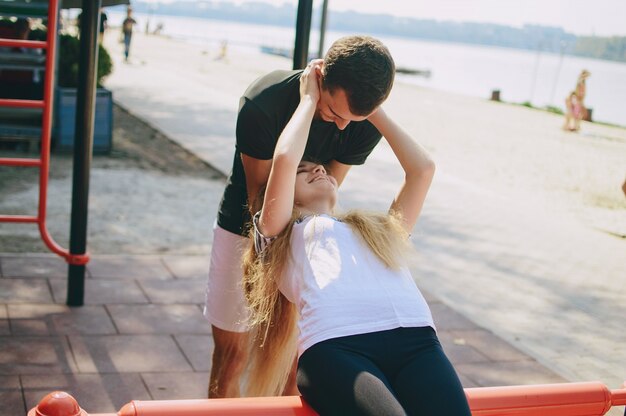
x,y
19,43
18,218
566,399
45,139
618,397
8,161
8,102
44,161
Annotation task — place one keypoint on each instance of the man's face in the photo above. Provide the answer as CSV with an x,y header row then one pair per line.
x,y
334,108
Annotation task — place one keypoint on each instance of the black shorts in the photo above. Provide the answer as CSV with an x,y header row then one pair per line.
x,y
402,371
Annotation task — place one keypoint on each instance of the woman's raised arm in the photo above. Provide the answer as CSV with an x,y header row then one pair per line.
x,y
279,194
418,168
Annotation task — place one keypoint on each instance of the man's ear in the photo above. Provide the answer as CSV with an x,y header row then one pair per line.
x,y
321,71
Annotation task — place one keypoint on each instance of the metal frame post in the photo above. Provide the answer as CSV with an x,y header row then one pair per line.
x,y
303,30
320,52
83,144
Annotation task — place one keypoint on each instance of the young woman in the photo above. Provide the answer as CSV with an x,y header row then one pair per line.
x,y
337,287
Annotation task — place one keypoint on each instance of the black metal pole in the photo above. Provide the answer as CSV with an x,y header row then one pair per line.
x,y
303,30
320,53
83,143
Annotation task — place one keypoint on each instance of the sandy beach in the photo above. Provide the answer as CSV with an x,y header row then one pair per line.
x,y
523,231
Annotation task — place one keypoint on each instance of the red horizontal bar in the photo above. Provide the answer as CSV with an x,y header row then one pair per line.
x,y
19,43
9,161
618,397
18,218
7,102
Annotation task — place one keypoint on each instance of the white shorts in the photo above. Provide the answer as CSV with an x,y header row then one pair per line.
x,y
225,305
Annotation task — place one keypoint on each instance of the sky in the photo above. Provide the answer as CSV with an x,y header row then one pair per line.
x,y
581,17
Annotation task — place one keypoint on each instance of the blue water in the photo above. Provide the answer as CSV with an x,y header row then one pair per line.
x,y
534,76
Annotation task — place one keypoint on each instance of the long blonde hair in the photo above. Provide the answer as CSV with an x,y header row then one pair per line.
x,y
274,318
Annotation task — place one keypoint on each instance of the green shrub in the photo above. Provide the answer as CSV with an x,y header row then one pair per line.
x,y
69,52
553,109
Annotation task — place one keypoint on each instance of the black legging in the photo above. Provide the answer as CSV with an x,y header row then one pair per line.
x,y
397,372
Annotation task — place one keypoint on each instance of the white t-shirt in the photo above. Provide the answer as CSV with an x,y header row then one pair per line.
x,y
341,287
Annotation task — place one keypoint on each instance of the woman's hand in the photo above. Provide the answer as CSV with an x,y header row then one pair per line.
x,y
310,80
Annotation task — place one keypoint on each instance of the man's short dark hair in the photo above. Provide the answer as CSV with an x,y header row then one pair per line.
x,y
363,67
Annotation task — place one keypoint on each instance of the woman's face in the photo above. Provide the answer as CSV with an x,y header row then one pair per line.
x,y
314,187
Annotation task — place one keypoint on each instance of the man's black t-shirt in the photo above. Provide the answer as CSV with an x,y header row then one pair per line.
x,y
264,110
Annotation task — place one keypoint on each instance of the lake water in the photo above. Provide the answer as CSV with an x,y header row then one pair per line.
x,y
538,77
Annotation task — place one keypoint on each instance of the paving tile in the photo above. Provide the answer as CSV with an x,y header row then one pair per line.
x,y
467,382
175,291
29,266
11,400
95,393
430,298
177,386
198,349
128,267
459,352
508,373
24,291
447,319
59,319
185,267
159,319
490,345
127,354
102,291
35,355
33,327
4,320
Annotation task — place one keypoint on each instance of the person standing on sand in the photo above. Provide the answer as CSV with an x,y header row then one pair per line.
x,y
356,76
581,93
575,109
127,30
573,112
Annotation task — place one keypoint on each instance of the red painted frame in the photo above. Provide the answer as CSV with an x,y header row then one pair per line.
x,y
43,162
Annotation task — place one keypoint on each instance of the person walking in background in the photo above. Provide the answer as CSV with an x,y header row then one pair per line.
x,y
356,77
581,93
339,284
103,25
573,112
575,109
127,30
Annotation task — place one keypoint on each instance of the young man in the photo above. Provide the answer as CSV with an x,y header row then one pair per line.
x,y
356,76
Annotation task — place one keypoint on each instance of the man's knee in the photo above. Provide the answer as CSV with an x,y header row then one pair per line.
x,y
231,348
230,355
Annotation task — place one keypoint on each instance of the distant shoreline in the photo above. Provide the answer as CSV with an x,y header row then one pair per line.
x,y
529,37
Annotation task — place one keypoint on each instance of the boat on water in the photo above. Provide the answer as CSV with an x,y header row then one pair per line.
x,y
413,71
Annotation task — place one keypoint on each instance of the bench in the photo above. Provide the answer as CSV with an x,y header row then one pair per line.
x,y
566,399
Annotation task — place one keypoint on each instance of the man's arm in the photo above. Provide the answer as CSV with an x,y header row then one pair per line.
x,y
338,170
257,171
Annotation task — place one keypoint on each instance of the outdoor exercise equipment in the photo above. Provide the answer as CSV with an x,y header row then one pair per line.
x,y
565,399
